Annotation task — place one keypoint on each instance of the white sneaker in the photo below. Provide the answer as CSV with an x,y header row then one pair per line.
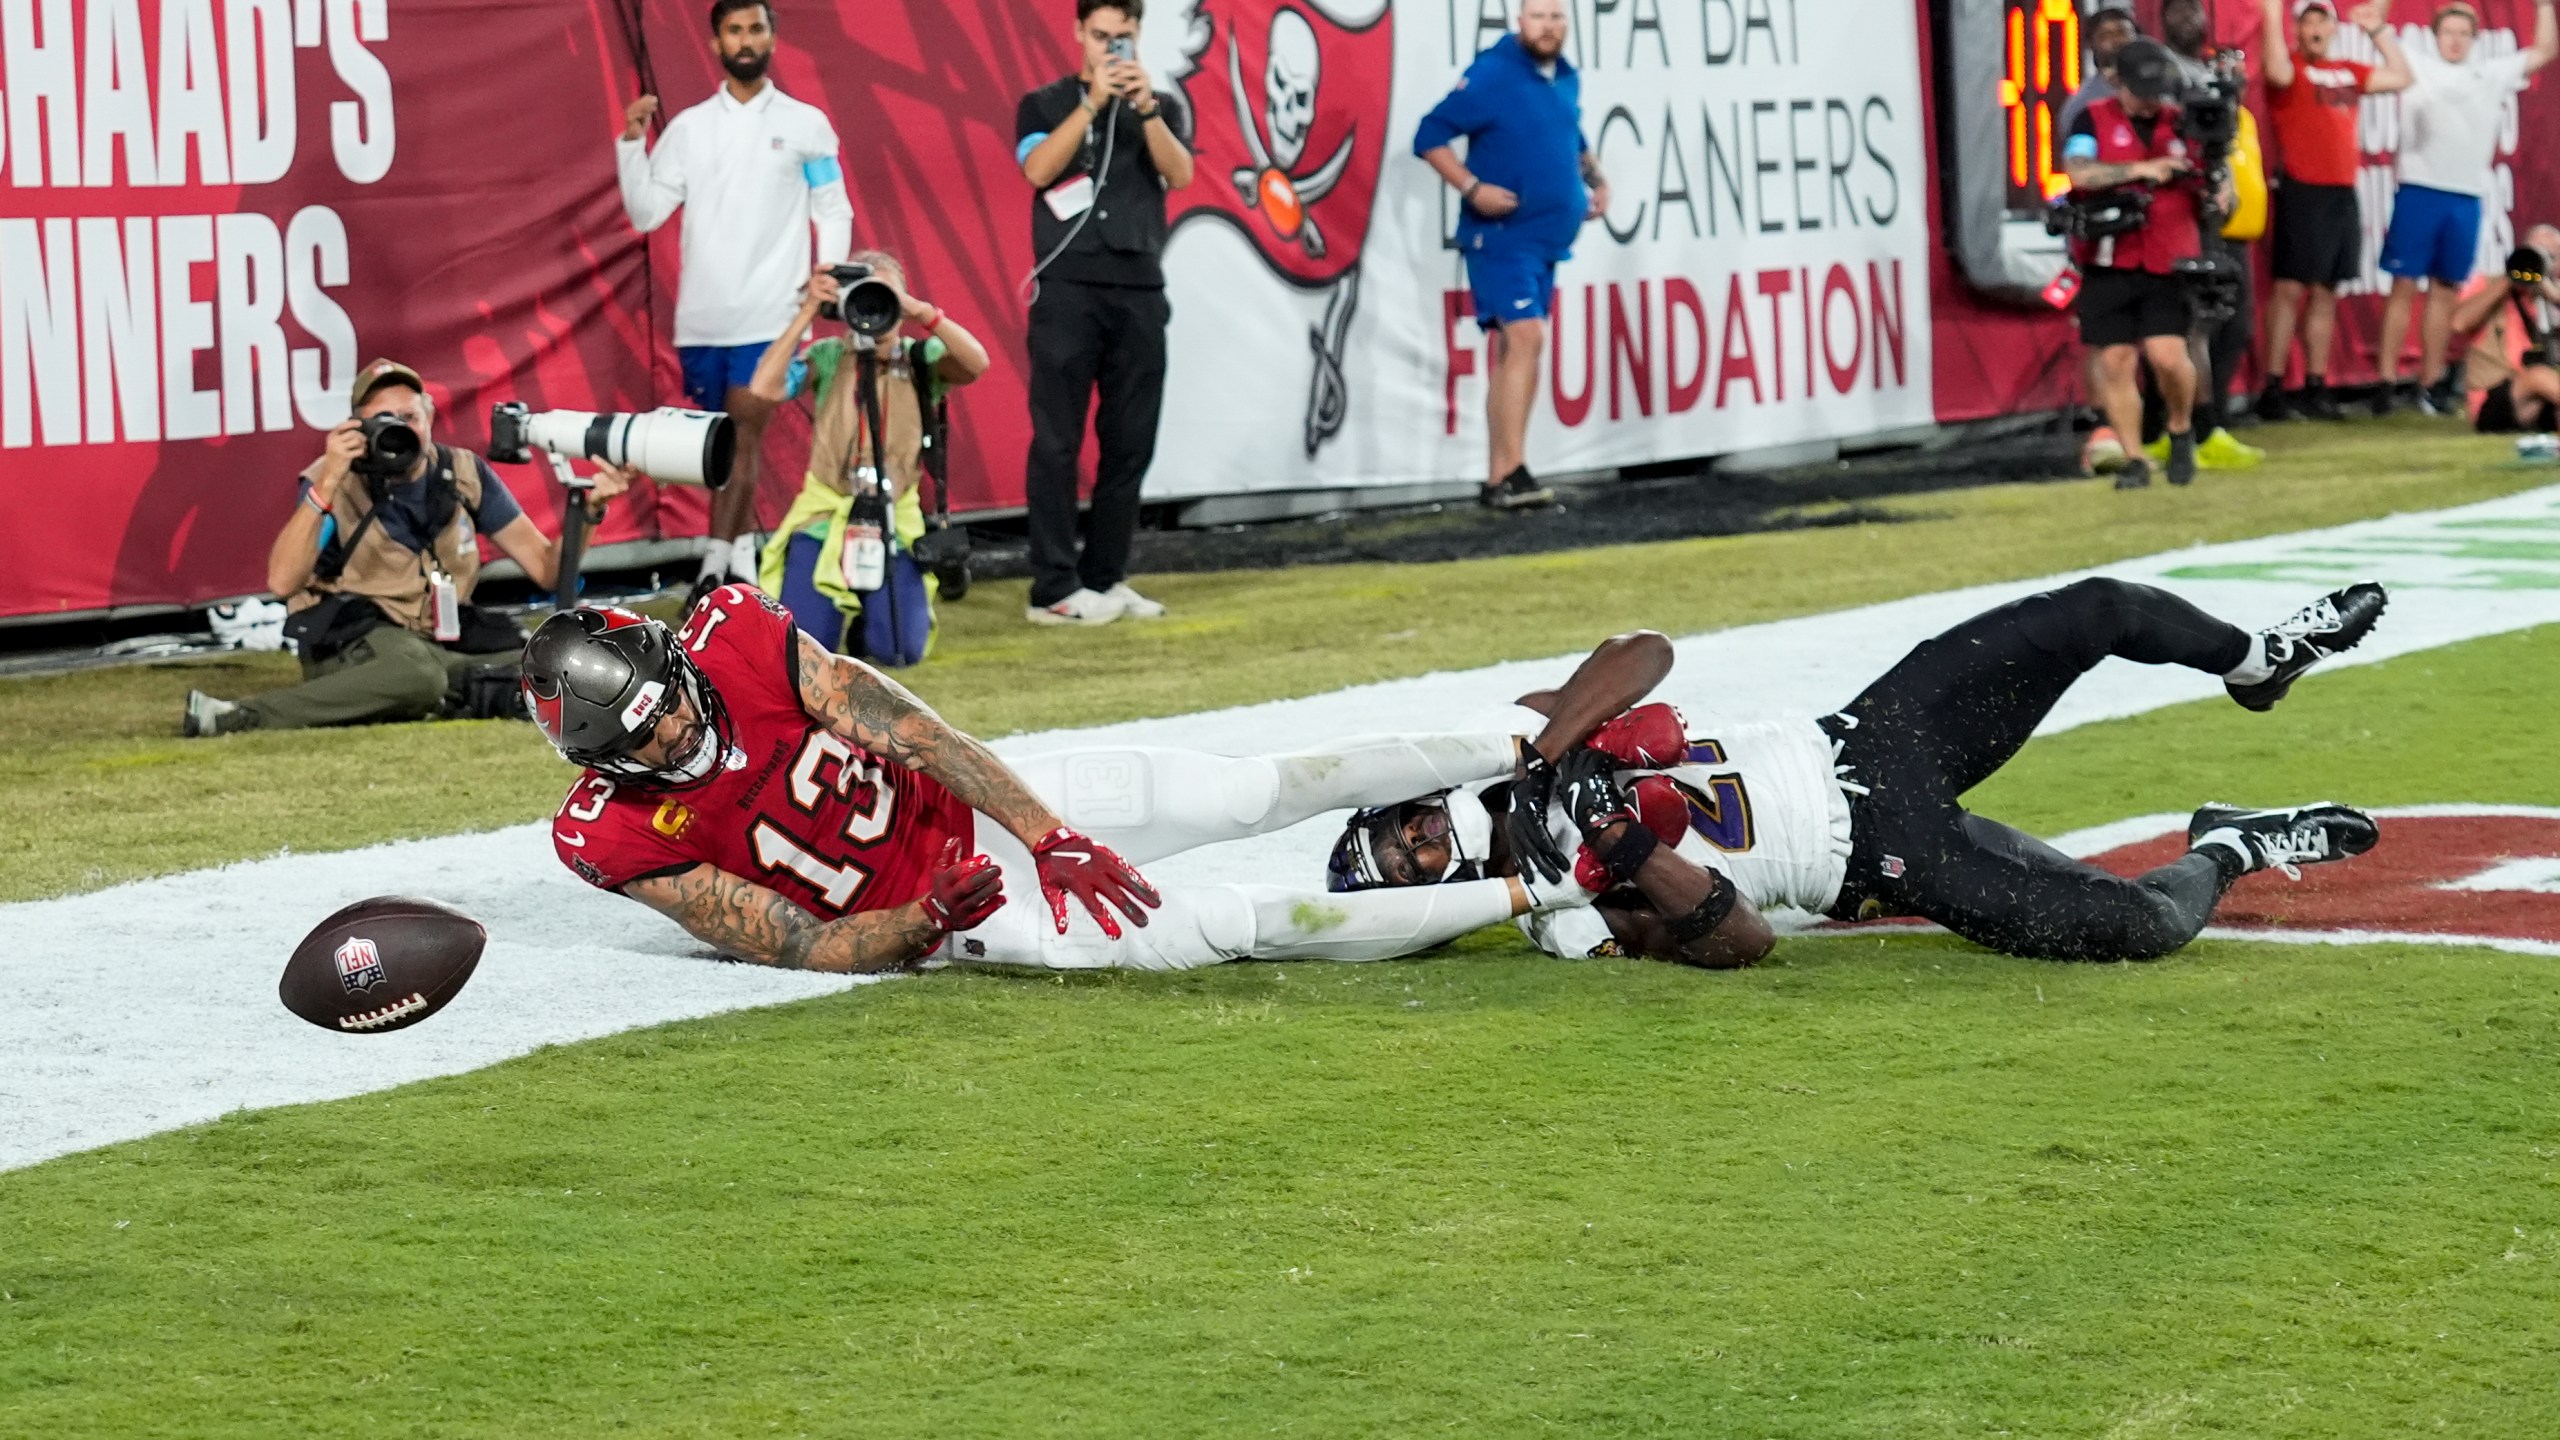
x,y
1083,607
746,557
1133,604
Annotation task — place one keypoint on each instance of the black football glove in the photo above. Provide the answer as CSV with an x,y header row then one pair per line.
x,y
1587,784
1533,849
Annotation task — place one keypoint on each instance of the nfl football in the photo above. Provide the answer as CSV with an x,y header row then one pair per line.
x,y
381,964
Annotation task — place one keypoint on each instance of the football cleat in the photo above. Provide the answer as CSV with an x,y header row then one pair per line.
x,y
2182,459
205,715
2331,625
2223,450
2284,840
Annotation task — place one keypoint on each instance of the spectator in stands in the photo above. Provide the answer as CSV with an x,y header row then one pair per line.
x,y
1099,154
2134,306
2448,140
377,570
754,171
2512,369
2314,99
1527,185
805,570
2215,352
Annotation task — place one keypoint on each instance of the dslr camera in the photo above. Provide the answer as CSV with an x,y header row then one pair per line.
x,y
686,447
865,302
390,448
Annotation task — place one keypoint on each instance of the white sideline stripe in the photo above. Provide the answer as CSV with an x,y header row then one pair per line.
x,y
152,1005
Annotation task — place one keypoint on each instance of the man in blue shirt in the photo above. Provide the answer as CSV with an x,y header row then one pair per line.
x,y
1527,184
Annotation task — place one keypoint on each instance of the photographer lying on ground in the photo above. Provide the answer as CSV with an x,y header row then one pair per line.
x,y
377,565
2513,324
824,583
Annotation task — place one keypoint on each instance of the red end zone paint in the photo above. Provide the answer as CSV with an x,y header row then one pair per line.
x,y
2485,874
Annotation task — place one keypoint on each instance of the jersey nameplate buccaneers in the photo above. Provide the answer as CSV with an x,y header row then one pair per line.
x,y
794,806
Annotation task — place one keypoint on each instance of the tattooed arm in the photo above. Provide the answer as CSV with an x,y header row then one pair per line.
x,y
883,717
744,919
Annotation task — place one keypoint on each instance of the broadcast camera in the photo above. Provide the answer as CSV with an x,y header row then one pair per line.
x,y
866,302
689,447
2099,216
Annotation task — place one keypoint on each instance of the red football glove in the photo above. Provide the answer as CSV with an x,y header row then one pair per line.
x,y
1660,807
965,891
1071,864
1590,874
1649,737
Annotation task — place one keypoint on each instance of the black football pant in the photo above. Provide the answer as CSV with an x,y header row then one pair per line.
x,y
1089,340
1952,712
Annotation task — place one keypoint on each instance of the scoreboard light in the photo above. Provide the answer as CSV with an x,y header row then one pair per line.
x,y
2007,67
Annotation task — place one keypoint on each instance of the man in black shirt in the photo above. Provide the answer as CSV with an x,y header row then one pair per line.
x,y
1100,155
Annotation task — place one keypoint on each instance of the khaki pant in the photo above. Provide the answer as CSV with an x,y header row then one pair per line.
x,y
388,674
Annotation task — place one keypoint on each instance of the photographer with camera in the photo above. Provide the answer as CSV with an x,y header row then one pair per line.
x,y
377,565
2512,321
2133,217
847,552
756,174
1099,155
2223,139
2449,119
2319,226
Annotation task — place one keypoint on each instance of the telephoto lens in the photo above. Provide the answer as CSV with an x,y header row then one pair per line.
x,y
866,302
390,446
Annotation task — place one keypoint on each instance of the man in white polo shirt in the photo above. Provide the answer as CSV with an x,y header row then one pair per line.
x,y
2448,140
754,170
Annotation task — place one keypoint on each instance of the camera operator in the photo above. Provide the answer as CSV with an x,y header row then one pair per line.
x,y
2319,227
755,172
2219,129
377,566
2128,164
2512,321
2449,120
806,568
1099,155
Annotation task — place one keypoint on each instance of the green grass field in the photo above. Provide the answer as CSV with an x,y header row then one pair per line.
x,y
1880,1186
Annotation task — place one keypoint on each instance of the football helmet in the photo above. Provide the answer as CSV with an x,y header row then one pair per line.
x,y
598,679
1378,845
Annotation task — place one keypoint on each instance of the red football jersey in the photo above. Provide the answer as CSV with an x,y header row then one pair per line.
x,y
794,806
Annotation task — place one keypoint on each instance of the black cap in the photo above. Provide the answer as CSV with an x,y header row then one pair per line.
x,y
2527,265
2146,70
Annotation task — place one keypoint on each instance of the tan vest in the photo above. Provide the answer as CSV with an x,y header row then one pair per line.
x,y
831,442
390,574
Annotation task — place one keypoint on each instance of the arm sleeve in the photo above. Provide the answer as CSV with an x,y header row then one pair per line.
x,y
830,206
1463,111
497,508
2082,142
652,184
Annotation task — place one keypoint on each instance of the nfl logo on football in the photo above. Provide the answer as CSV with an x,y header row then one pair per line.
x,y
359,964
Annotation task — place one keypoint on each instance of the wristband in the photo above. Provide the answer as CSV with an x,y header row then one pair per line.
x,y
1709,914
321,509
1627,854
1474,183
1150,112
936,322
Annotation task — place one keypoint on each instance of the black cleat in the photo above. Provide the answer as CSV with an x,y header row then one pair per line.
x,y
2285,840
2134,473
2331,625
1518,490
2182,459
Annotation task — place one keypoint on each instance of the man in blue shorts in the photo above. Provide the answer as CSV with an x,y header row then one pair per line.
x,y
2449,120
1527,184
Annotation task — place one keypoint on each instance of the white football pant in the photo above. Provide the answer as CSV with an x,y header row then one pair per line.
x,y
1147,803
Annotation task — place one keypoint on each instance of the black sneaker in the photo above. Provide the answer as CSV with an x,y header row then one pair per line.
x,y
2285,840
2316,403
2182,459
2386,397
1518,490
2444,397
2135,474
2271,405
2331,625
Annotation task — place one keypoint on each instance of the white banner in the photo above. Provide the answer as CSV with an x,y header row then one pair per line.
x,y
1761,277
